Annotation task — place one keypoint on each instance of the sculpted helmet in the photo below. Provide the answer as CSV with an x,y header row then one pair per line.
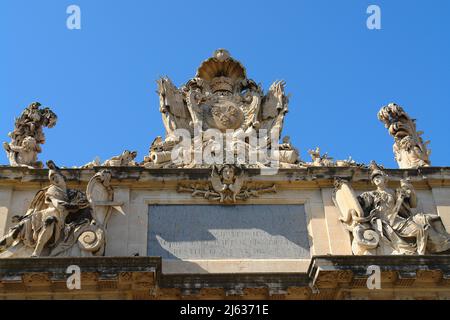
x,y
53,170
376,170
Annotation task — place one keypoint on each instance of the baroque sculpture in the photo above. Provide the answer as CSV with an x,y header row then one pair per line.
x,y
62,221
219,97
385,222
409,148
28,135
223,112
227,184
323,160
126,159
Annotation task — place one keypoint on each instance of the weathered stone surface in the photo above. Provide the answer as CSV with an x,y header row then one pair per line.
x,y
228,232
61,221
28,135
385,222
409,148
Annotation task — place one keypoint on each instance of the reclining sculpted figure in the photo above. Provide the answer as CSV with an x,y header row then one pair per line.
x,y
58,218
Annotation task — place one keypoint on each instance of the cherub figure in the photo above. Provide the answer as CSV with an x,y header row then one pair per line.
x,y
227,182
24,155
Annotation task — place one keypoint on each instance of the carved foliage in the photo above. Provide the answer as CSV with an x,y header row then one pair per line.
x,y
28,135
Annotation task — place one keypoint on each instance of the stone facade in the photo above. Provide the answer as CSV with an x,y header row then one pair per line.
x,y
274,228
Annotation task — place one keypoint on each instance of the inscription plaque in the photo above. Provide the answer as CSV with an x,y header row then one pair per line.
x,y
228,232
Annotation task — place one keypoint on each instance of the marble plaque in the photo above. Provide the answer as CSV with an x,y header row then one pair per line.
x,y
228,232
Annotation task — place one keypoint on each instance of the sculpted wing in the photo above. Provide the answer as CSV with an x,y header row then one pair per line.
x,y
172,106
216,183
251,112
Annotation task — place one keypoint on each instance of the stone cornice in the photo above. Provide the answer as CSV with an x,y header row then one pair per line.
x,y
312,177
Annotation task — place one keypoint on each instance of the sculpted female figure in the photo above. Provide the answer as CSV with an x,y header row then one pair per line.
x,y
389,215
384,221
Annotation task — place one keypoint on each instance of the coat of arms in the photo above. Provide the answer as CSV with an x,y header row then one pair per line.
x,y
220,98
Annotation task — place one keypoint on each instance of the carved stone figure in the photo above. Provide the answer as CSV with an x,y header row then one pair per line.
x,y
409,148
126,159
384,222
324,160
28,135
227,184
288,154
90,165
219,97
160,153
62,221
319,160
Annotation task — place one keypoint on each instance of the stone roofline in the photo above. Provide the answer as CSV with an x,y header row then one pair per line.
x,y
323,177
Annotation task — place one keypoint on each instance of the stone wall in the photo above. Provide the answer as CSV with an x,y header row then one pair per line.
x,y
138,188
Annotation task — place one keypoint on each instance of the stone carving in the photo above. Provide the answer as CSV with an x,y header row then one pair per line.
x,y
219,97
319,160
28,135
288,154
385,222
409,148
126,159
226,185
94,163
324,160
62,221
160,154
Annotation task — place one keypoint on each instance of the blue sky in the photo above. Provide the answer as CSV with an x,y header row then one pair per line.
x,y
100,80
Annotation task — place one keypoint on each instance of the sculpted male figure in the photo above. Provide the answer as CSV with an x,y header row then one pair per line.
x,y
43,223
